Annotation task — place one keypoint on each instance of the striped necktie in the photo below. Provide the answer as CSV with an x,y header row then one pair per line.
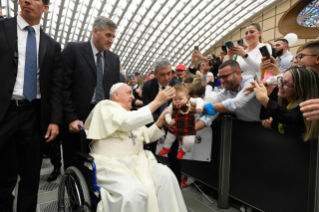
x,y
30,71
99,86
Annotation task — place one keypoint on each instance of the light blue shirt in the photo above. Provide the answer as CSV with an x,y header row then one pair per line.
x,y
285,61
246,107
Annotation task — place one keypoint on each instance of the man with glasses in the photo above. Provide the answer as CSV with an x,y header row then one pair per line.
x,y
284,57
307,54
232,98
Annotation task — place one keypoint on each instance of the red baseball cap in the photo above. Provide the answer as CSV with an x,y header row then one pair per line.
x,y
180,67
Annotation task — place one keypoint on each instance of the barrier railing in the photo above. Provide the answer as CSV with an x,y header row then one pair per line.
x,y
260,167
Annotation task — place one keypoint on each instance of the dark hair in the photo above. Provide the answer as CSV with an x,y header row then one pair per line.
x,y
197,88
313,47
136,73
257,26
188,80
283,40
306,80
232,63
46,2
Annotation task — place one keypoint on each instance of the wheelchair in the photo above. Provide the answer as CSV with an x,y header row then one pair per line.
x,y
78,191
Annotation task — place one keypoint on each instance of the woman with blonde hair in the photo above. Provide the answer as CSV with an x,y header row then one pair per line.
x,y
298,84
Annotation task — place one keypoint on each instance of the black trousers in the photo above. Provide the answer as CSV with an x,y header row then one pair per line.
x,y
71,144
21,143
174,163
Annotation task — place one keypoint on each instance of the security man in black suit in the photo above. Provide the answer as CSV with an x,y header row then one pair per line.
x,y
163,79
90,70
31,102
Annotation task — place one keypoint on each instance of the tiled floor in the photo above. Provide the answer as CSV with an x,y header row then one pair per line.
x,y
47,196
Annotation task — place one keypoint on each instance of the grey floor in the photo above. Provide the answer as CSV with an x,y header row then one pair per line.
x,y
47,196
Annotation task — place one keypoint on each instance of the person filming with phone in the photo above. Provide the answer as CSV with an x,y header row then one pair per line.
x,y
250,58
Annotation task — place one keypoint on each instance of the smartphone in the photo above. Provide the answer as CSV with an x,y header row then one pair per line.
x,y
264,52
229,44
240,42
195,48
224,49
256,77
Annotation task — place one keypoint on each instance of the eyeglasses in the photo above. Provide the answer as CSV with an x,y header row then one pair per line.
x,y
300,56
224,77
129,76
285,85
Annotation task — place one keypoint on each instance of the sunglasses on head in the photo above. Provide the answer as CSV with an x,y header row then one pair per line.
x,y
132,75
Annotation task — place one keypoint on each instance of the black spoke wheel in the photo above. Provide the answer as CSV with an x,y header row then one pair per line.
x,y
73,194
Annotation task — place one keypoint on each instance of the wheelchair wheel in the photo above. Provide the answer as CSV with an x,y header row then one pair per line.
x,y
73,194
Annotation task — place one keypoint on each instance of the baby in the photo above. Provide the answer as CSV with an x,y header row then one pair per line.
x,y
183,120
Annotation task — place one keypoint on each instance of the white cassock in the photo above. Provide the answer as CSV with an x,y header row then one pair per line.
x,y
130,178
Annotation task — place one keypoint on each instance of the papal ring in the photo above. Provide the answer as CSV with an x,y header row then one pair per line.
x,y
170,94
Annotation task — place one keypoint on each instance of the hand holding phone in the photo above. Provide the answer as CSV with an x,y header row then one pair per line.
x,y
256,77
195,48
229,44
264,52
224,49
240,42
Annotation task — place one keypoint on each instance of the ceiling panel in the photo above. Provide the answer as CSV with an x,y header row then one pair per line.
x,y
148,29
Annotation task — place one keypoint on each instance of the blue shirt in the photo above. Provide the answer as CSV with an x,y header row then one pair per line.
x,y
285,61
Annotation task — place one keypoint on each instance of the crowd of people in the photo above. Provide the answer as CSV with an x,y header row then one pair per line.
x,y
46,92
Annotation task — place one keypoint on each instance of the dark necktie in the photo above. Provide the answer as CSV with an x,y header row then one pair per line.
x,y
163,106
30,71
99,85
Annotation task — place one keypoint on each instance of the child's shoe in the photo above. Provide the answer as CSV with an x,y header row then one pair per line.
x,y
164,151
181,154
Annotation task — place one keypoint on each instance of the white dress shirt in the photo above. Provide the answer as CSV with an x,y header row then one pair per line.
x,y
22,44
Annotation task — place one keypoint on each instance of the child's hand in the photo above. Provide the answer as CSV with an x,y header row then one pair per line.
x,y
172,122
199,110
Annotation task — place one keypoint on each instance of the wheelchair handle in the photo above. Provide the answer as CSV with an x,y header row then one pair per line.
x,y
80,127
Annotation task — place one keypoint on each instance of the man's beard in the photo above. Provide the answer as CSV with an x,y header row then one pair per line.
x,y
280,52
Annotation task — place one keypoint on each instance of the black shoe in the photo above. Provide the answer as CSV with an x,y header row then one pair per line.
x,y
56,172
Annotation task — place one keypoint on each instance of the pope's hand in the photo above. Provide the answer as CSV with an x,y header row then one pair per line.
x,y
74,126
165,95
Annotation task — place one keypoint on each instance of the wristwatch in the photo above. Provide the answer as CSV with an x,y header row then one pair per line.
x,y
246,55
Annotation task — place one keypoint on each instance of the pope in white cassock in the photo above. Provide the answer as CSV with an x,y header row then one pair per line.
x,y
130,178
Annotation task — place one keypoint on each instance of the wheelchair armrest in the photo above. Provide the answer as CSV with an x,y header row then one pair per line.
x,y
84,156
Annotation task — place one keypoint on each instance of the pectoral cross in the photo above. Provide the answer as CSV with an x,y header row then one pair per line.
x,y
132,136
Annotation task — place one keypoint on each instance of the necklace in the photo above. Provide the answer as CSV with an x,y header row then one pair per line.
x,y
186,112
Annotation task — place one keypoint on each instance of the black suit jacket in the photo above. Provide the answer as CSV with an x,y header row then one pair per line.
x,y
79,71
150,90
51,78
